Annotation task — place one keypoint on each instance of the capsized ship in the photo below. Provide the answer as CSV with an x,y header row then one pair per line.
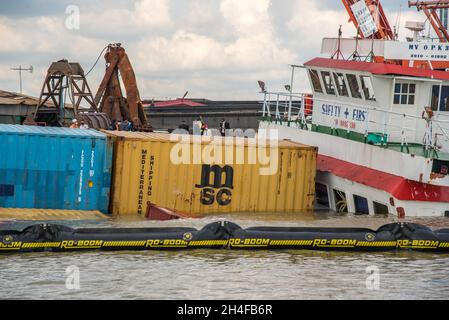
x,y
379,115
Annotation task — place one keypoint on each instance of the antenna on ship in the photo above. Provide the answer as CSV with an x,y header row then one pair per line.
x,y
262,86
338,52
398,23
371,54
355,55
370,57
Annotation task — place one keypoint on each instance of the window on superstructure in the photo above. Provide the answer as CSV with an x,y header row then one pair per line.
x,y
322,195
315,81
443,105
354,86
404,93
329,85
341,204
361,205
380,208
341,84
367,87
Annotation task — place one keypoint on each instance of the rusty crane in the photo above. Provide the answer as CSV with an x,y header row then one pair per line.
x,y
110,97
68,79
65,87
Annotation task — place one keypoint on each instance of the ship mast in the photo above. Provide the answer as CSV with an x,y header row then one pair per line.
x,y
430,10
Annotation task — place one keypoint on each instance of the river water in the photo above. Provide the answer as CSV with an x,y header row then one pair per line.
x,y
209,274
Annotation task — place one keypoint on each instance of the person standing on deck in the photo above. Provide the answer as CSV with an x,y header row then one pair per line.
x,y
84,125
224,125
74,124
184,126
427,115
204,125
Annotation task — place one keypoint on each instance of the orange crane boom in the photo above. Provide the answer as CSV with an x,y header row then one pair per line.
x,y
384,30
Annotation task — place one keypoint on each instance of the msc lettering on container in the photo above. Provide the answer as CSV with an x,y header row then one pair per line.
x,y
216,189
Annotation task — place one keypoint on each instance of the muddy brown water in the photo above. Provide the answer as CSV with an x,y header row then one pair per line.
x,y
220,274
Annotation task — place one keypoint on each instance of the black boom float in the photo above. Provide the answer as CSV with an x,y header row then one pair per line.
x,y
225,235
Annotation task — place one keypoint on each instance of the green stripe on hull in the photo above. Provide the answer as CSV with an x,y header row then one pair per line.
x,y
410,148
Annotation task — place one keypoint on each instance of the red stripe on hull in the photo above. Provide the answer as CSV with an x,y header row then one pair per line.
x,y
399,187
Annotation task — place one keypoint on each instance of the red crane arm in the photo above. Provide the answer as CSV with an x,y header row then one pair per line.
x,y
384,30
429,8
435,4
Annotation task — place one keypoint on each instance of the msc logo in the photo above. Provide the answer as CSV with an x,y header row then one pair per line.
x,y
216,183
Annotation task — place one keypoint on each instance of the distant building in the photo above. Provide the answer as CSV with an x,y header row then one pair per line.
x,y
167,115
15,107
174,103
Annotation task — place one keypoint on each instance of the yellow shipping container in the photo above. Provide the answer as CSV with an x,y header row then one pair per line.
x,y
205,175
49,214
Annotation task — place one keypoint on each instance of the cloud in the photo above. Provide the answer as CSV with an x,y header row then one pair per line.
x,y
182,51
249,18
254,45
144,17
216,66
312,22
152,12
12,41
213,48
257,45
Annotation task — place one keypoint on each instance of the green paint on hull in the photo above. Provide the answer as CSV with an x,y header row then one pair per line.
x,y
409,148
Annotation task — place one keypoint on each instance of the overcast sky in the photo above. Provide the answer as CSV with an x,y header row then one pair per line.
x,y
215,49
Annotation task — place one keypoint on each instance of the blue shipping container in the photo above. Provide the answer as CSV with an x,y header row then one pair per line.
x,y
54,168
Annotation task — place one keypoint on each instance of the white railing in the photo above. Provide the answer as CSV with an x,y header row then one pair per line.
x,y
286,107
291,109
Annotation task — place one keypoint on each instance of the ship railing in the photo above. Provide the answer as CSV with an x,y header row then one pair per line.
x,y
287,108
441,137
291,109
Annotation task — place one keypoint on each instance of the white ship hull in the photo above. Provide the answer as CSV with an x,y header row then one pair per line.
x,y
374,200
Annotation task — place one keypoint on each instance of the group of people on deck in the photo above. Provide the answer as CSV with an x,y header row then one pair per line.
x,y
125,125
224,125
76,125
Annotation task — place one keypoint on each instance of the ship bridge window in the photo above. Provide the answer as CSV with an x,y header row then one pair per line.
x,y
361,205
404,93
367,87
354,86
322,195
315,78
341,84
440,167
341,204
444,98
380,208
328,84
